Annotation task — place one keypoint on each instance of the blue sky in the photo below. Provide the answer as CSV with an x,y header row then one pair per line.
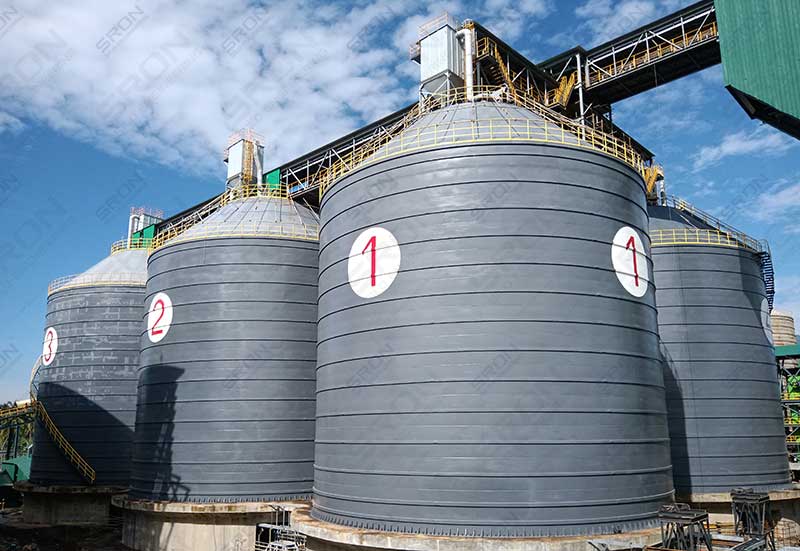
x,y
108,105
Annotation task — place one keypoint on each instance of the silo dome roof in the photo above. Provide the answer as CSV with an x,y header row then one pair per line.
x,y
126,267
267,216
669,218
478,122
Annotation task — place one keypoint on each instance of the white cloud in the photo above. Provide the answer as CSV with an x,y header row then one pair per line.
x,y
10,123
183,77
508,19
703,188
763,140
606,19
674,111
787,294
776,201
170,81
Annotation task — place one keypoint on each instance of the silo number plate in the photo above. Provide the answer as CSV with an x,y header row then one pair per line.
x,y
50,346
374,262
630,261
159,317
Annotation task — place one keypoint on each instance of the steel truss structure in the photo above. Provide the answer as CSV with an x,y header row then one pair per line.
x,y
752,518
683,528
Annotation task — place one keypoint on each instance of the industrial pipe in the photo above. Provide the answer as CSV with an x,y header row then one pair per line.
x,y
466,35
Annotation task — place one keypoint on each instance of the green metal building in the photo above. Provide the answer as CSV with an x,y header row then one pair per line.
x,y
760,47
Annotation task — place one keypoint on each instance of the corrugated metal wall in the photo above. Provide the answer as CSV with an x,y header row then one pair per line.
x,y
760,41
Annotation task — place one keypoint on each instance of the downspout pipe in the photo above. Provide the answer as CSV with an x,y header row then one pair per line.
x,y
466,35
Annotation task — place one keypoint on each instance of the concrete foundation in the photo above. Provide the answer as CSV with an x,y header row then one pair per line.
x,y
324,536
166,526
784,506
66,505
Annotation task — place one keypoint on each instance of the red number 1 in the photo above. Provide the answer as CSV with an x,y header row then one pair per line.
x,y
371,244
158,303
632,245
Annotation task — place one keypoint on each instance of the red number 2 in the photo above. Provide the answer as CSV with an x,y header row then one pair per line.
x,y
49,341
155,331
371,244
632,245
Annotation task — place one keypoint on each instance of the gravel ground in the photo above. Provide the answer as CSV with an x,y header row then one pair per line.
x,y
17,536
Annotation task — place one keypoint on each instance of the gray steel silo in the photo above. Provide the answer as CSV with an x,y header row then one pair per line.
x,y
226,387
723,397
88,375
482,369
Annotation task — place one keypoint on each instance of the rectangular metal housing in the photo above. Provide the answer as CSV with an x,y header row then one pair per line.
x,y
759,42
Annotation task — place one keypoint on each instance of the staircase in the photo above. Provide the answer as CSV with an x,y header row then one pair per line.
x,y
564,90
768,274
72,455
652,174
494,67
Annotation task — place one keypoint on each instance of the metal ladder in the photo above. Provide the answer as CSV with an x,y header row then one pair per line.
x,y
768,275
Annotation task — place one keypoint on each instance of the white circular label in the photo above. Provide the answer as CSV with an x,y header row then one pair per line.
x,y
766,321
50,346
159,317
373,263
630,261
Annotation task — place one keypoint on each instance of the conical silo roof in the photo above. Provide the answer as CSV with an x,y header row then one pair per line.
x,y
262,215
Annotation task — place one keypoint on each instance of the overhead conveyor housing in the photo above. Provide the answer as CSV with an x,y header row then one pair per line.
x,y
759,42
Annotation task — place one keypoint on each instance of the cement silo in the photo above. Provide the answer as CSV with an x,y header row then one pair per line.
x,y
87,388
488,359
226,403
723,398
783,331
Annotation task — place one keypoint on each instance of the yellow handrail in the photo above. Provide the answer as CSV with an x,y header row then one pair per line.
x,y
176,232
96,279
657,51
554,128
693,236
716,223
254,229
15,410
71,453
130,244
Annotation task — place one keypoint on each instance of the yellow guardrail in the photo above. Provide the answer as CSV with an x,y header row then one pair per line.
x,y
788,396
792,439
716,223
690,236
553,128
486,47
130,244
177,232
279,230
655,52
15,410
98,279
66,448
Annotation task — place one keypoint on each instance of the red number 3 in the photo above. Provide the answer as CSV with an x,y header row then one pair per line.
x,y
49,342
